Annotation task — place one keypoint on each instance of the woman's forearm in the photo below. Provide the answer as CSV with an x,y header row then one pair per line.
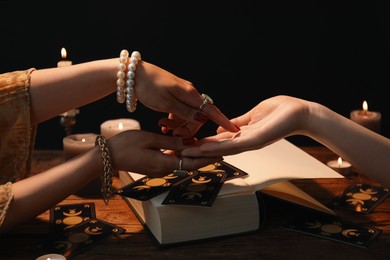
x,y
363,148
34,195
56,90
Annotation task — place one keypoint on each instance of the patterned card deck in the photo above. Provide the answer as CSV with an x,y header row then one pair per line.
x,y
231,171
362,198
148,187
63,217
333,228
200,190
79,238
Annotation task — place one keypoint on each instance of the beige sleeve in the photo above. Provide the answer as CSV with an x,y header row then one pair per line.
x,y
5,199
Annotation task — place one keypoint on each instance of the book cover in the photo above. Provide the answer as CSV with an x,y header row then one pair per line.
x,y
238,207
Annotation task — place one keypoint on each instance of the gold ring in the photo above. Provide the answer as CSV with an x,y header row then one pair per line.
x,y
206,99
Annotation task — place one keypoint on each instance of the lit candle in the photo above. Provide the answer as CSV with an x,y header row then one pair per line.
x,y
77,144
340,166
366,118
115,126
64,62
51,257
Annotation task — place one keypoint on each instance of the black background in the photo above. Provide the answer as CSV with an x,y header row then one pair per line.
x,y
238,52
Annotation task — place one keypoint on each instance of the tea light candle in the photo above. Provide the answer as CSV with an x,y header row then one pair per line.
x,y
368,119
51,257
64,62
77,144
112,127
340,166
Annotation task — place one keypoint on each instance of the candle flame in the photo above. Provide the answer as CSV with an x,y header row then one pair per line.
x,y
83,140
365,106
340,161
63,53
120,126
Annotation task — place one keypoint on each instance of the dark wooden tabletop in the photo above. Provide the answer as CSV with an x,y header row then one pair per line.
x,y
270,242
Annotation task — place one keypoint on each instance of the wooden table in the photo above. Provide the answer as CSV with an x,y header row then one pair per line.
x,y
271,242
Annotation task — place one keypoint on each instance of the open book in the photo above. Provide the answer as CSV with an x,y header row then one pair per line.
x,y
237,208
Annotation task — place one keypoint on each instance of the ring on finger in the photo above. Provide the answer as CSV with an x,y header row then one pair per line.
x,y
206,99
180,171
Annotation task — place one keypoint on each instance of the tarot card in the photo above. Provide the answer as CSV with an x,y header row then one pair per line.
x,y
63,217
363,198
79,237
333,228
148,187
200,190
231,171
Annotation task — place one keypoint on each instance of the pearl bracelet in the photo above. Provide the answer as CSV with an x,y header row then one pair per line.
x,y
127,94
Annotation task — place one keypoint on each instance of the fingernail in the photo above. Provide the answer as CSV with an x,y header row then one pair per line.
x,y
201,117
238,128
188,141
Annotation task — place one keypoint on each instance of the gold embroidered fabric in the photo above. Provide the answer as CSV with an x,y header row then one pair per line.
x,y
17,134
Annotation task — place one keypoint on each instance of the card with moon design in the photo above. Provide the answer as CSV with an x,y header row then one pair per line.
x,y
231,171
200,190
79,238
333,228
148,187
362,198
63,217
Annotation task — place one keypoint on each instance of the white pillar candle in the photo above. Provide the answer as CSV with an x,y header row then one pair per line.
x,y
340,166
112,127
77,144
366,118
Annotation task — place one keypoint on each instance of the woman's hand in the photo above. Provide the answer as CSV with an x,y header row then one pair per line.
x,y
162,91
146,153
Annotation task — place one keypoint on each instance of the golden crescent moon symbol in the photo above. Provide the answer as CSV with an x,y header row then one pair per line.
x,y
93,231
170,176
355,201
207,168
72,213
218,170
201,179
368,191
141,187
350,233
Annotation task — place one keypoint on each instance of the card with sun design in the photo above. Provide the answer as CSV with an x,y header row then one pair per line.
x,y
79,238
149,187
362,198
200,190
333,228
65,216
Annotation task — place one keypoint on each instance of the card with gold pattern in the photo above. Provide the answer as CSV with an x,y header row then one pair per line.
x,y
79,238
65,216
334,228
200,190
360,197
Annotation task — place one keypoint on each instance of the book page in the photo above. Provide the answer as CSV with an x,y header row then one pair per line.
x,y
279,161
287,191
